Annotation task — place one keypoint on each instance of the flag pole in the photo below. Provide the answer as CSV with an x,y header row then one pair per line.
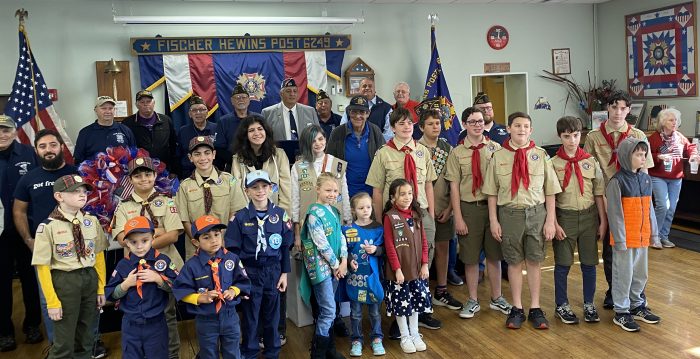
x,y
23,14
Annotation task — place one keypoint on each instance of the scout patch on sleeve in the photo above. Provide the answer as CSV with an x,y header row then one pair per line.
x,y
114,273
40,229
173,209
173,266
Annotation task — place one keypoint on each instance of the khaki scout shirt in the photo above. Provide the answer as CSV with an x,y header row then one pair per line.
x,y
277,167
441,188
165,211
53,245
224,190
599,148
388,166
459,167
543,179
571,198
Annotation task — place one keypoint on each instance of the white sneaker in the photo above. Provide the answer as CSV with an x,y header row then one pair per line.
x,y
419,343
407,345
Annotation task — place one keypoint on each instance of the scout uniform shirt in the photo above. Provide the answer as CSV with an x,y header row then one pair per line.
x,y
54,243
165,212
190,199
599,148
571,198
387,166
304,176
543,179
459,167
441,189
277,166
145,300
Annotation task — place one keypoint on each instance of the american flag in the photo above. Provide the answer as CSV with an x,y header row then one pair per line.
x,y
29,104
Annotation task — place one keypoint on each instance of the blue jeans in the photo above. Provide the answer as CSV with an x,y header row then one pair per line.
x,y
375,321
452,258
325,297
219,333
666,193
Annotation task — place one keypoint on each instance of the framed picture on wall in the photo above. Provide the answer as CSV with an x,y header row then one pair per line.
x,y
561,61
597,118
637,109
354,74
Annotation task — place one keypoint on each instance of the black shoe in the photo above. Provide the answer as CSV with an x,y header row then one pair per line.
x,y
536,316
608,301
7,344
34,335
590,313
394,332
626,322
319,345
566,315
516,317
98,350
445,299
644,314
341,331
426,320
454,279
331,352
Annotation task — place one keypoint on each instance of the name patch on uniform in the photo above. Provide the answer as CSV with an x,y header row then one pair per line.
x,y
158,203
274,218
229,265
248,224
202,277
275,241
160,265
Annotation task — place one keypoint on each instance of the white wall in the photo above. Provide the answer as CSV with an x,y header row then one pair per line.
x,y
612,54
68,36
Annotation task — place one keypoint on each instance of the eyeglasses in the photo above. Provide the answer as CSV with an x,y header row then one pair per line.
x,y
240,97
198,110
475,122
357,112
486,108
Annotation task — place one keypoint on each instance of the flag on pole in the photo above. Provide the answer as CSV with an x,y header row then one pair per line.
x,y
29,104
435,86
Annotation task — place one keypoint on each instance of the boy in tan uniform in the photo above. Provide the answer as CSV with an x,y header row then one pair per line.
x,y
602,144
207,191
391,162
581,219
162,211
521,185
466,167
70,263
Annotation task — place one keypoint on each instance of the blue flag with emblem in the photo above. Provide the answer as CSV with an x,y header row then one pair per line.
x,y
435,86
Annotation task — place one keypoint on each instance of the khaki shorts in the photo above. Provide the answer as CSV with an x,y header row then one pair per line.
x,y
444,231
522,233
581,229
476,216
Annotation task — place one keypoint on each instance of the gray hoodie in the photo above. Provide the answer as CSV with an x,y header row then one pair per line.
x,y
628,183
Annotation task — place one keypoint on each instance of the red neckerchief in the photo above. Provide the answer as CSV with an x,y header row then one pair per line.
x,y
573,163
520,170
613,146
409,165
477,179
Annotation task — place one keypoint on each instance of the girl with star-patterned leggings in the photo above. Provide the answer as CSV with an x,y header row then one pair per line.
x,y
406,246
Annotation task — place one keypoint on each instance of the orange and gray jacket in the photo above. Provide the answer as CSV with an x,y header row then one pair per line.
x,y
631,217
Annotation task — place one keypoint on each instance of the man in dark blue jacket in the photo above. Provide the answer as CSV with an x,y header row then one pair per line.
x,y
103,133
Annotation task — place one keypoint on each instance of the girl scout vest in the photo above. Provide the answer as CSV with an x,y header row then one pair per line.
x,y
364,285
317,269
408,244
307,181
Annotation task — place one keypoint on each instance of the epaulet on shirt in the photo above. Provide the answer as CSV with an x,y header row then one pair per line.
x,y
40,228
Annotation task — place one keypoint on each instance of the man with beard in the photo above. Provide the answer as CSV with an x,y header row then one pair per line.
x,y
492,130
227,125
16,160
34,199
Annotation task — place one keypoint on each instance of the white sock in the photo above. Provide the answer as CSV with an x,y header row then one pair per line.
x,y
413,323
403,326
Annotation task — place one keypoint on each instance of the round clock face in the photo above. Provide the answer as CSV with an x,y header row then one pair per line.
x,y
497,37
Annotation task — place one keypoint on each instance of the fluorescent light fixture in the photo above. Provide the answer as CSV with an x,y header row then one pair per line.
x,y
235,20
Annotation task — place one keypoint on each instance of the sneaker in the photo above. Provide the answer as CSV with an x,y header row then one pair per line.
x,y
7,343
626,322
470,308
33,335
283,339
98,350
378,347
394,332
356,349
500,304
566,315
656,246
418,342
426,320
445,299
536,316
516,317
341,331
590,313
407,345
644,314
667,244
454,279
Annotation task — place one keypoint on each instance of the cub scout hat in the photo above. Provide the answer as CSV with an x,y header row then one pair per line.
x,y
69,183
256,176
205,224
143,93
7,121
145,162
201,141
138,224
358,103
101,100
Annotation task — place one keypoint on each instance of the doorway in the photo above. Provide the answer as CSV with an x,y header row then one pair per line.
x,y
508,92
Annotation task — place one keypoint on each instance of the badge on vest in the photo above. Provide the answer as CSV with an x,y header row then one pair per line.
x,y
160,265
229,265
275,241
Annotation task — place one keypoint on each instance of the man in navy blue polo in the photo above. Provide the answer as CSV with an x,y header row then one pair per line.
x,y
16,160
103,133
198,127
